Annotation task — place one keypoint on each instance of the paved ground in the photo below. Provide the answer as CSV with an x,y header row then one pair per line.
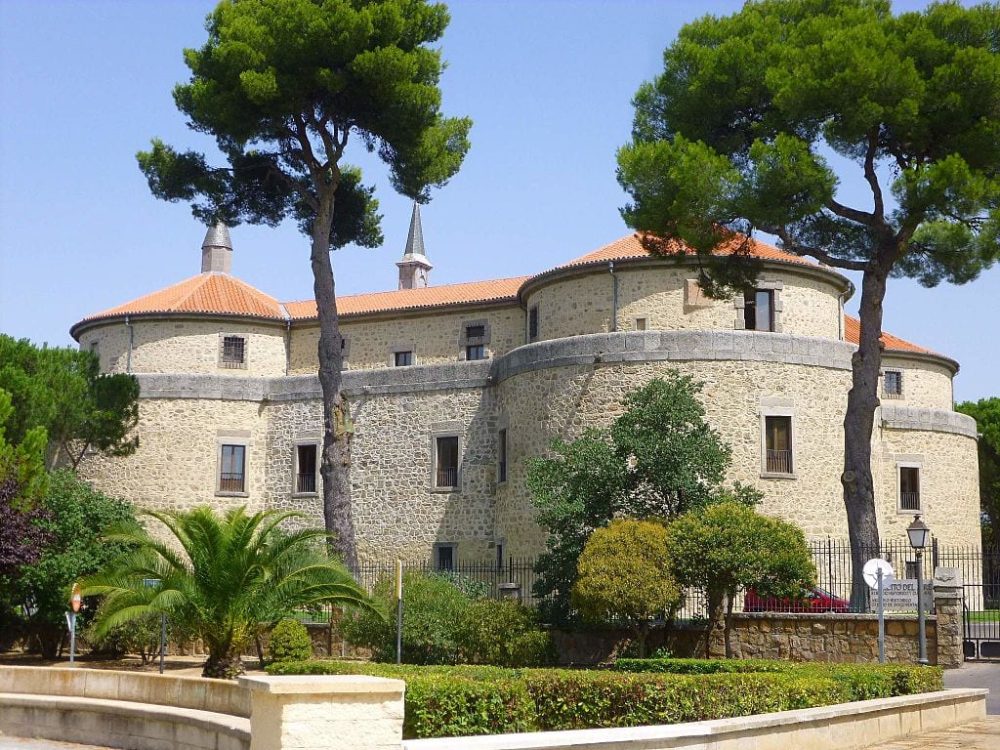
x,y
978,675
16,743
982,735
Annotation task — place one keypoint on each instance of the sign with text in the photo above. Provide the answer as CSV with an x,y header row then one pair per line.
x,y
900,595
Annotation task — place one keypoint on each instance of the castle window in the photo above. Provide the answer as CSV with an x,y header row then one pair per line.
x,y
345,347
640,324
909,488
477,331
758,310
474,337
233,352
892,384
446,462
778,445
403,359
533,323
444,556
306,468
475,351
502,456
232,468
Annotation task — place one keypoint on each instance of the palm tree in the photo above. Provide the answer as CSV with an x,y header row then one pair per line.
x,y
230,575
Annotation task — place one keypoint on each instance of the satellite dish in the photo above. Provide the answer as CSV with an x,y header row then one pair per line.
x,y
871,569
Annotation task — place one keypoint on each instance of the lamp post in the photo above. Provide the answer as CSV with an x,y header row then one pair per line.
x,y
920,537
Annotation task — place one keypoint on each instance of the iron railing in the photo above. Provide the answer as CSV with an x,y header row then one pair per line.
x,y
305,482
231,482
909,501
779,461
447,477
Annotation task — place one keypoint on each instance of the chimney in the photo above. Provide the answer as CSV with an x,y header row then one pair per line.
x,y
217,250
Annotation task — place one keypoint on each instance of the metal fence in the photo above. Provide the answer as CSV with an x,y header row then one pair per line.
x,y
832,557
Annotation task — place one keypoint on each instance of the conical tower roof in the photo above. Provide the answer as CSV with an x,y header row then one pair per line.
x,y
415,237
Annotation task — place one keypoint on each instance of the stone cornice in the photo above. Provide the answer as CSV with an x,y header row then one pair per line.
x,y
899,417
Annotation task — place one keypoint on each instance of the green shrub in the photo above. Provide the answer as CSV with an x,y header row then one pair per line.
x,y
433,608
289,641
701,666
466,700
140,637
503,633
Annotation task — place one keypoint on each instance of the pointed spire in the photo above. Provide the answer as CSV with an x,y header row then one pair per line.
x,y
217,250
414,268
415,237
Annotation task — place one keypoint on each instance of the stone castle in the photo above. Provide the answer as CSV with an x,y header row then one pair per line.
x,y
452,388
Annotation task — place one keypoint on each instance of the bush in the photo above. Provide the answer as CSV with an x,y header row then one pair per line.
x,y
503,633
433,608
289,641
467,700
700,666
140,637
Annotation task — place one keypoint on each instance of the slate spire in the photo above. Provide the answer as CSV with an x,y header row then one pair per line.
x,y
414,268
217,250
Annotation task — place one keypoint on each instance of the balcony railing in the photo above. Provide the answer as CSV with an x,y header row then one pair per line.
x,y
779,462
447,477
909,500
231,482
305,482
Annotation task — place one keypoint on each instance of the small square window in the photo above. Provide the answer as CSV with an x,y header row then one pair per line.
x,y
403,359
233,351
911,569
475,351
909,488
475,331
232,468
446,458
305,468
778,445
502,455
758,310
533,323
892,384
640,324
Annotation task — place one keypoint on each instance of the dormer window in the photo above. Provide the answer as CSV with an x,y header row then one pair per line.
x,y
233,352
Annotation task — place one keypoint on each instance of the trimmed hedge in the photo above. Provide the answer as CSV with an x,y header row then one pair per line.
x,y
467,700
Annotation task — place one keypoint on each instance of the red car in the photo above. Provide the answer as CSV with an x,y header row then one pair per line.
x,y
813,600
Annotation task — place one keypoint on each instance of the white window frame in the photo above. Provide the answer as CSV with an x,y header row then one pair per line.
x,y
778,410
909,463
317,443
239,438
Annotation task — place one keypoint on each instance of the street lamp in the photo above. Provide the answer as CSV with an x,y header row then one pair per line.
x,y
920,537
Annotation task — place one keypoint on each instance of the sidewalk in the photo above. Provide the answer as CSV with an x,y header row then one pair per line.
x,y
982,735
978,675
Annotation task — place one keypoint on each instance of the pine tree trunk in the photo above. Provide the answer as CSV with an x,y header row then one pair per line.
x,y
729,625
336,457
859,422
714,614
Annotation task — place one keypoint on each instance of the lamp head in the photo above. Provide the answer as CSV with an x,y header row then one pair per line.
x,y
919,534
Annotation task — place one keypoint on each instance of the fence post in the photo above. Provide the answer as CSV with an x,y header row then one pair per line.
x,y
948,608
306,712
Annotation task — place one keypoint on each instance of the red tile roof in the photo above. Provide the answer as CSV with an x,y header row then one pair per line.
x,y
473,292
633,246
852,333
212,293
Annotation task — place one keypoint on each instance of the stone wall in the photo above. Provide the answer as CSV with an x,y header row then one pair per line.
x,y
925,384
433,338
187,346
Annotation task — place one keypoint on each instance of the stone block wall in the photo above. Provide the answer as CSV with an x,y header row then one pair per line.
x,y
925,384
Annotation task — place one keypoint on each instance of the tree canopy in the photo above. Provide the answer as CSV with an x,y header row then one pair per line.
x,y
624,572
727,547
283,86
62,391
986,412
746,128
660,458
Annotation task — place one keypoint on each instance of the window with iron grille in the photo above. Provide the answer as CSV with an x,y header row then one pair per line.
x,y
533,323
502,454
475,351
778,445
909,488
640,324
233,351
758,310
446,461
475,331
911,569
305,468
232,468
403,359
444,556
892,384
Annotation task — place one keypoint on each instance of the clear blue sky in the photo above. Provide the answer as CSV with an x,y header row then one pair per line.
x,y
84,85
